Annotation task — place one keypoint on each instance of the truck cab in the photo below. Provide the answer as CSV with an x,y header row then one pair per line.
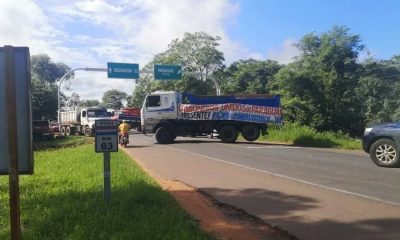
x,y
159,107
91,114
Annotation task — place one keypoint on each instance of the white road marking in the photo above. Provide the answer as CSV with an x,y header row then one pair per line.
x,y
293,179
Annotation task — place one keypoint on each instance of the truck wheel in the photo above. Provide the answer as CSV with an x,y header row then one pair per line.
x,y
68,131
88,132
228,134
63,130
384,153
251,132
164,135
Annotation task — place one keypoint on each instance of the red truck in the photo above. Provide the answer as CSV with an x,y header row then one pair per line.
x,y
131,115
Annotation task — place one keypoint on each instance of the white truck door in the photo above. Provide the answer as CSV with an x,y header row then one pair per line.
x,y
84,117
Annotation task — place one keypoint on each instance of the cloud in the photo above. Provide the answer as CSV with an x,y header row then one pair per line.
x,y
17,23
285,53
90,33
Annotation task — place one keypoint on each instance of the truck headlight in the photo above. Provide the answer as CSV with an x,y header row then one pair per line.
x,y
367,131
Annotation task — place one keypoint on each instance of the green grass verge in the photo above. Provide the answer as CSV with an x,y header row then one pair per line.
x,y
64,200
309,137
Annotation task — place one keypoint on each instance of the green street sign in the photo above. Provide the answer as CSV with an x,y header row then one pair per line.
x,y
167,72
123,70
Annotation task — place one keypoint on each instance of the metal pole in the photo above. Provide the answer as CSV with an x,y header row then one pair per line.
x,y
12,144
58,109
107,177
217,88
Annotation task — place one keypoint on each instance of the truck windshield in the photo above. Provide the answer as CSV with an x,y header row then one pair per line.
x,y
97,113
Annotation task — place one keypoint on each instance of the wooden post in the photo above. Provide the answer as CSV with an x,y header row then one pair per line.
x,y
12,143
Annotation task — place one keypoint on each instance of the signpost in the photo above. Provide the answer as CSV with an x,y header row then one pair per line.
x,y
167,72
16,154
106,141
123,70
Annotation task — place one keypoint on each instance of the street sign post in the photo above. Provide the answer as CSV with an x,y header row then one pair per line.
x,y
16,154
167,72
106,141
123,70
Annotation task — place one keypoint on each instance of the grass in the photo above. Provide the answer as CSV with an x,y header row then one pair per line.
x,y
61,142
309,137
64,200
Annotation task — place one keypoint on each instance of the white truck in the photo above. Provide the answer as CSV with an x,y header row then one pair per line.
x,y
81,120
169,114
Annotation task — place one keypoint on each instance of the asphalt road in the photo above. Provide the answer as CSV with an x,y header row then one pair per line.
x,y
331,188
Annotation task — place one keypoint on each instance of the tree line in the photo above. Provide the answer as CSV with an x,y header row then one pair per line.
x,y
327,86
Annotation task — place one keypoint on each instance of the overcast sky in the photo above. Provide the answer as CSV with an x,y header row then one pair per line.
x,y
90,33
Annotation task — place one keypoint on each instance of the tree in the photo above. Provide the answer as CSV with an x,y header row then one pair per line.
x,y
199,57
43,87
113,99
248,76
46,70
379,90
73,101
44,100
89,103
323,80
143,87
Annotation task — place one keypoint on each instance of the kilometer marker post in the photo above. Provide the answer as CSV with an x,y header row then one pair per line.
x,y
106,141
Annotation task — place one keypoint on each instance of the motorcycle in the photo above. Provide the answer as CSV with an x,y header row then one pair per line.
x,y
124,140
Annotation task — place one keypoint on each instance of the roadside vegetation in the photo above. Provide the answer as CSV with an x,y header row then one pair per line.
x,y
64,200
308,137
61,142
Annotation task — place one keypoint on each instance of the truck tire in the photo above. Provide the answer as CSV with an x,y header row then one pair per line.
x,y
88,132
384,153
68,131
228,134
251,132
63,130
164,135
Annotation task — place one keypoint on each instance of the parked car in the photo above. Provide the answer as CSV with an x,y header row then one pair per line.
x,y
382,142
42,129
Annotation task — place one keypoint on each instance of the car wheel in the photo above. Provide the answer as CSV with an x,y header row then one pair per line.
x,y
384,153
228,134
251,132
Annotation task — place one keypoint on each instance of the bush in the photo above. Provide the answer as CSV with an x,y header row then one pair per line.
x,y
296,134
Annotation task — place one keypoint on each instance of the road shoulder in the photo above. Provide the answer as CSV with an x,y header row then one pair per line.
x,y
221,220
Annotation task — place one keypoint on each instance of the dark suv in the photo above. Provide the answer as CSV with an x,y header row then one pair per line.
x,y
41,129
382,142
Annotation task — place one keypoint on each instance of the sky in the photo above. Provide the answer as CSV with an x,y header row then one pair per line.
x,y
90,33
